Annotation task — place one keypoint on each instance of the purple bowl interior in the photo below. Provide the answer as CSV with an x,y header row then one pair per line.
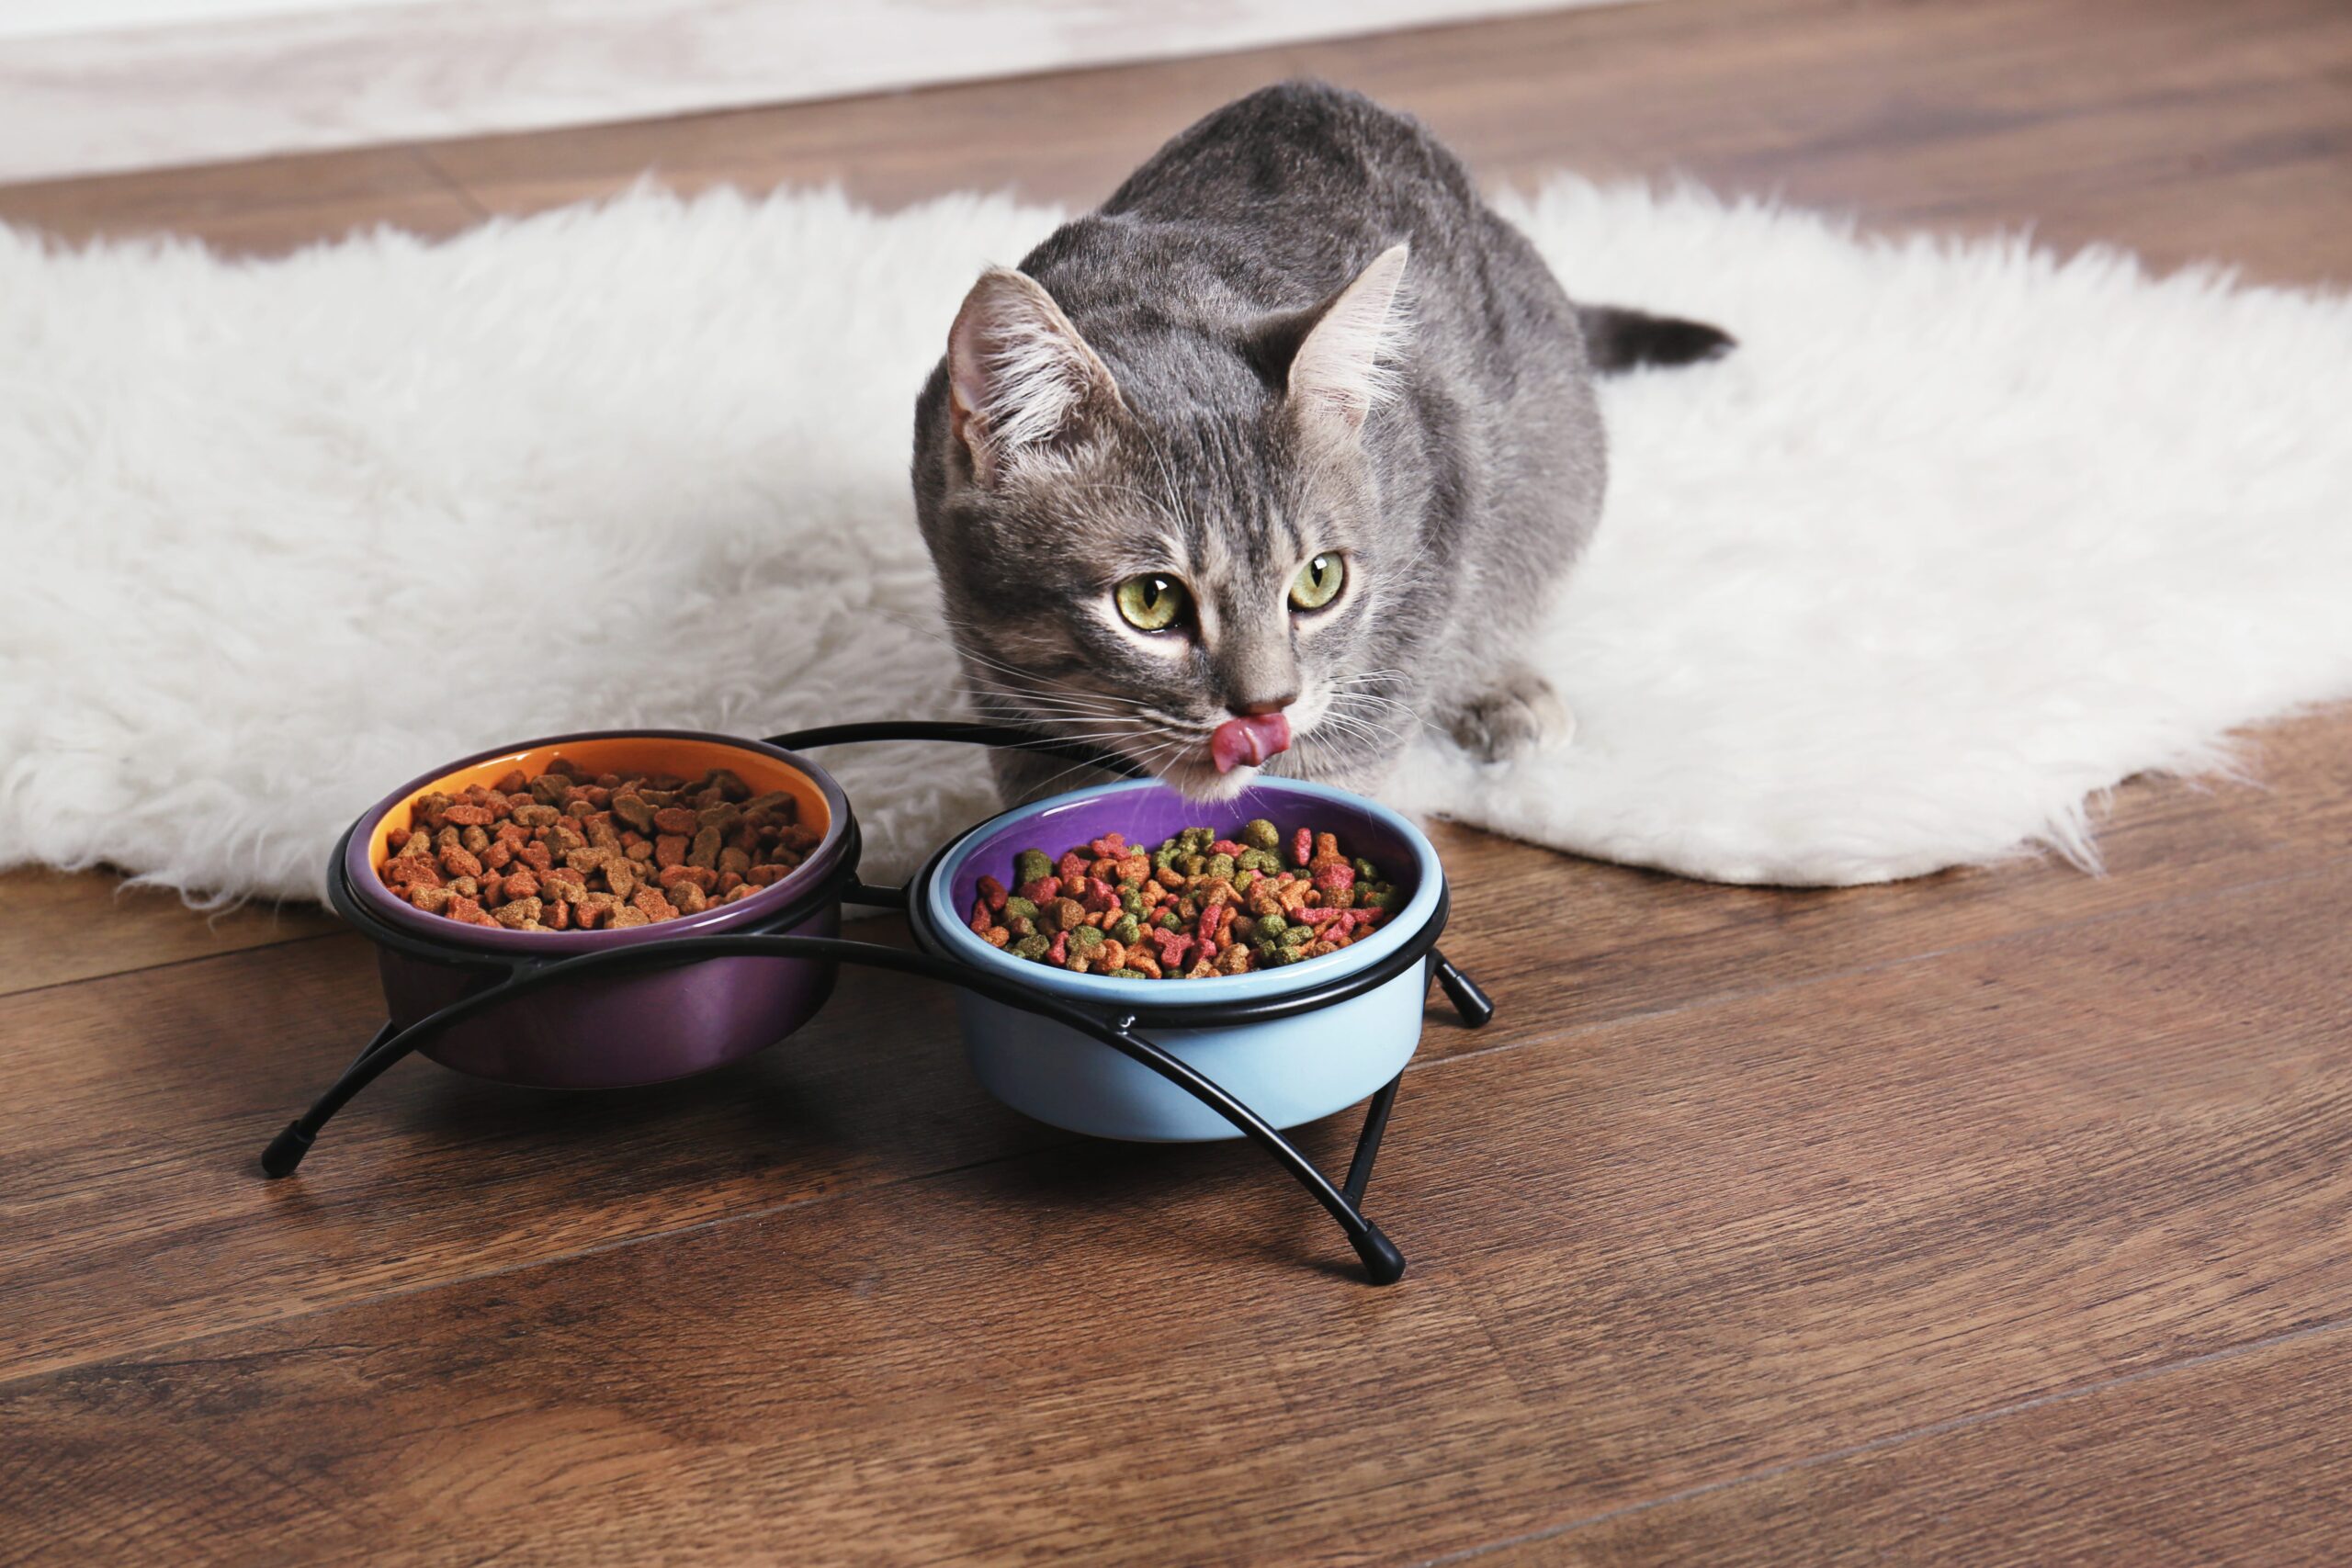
x,y
1148,816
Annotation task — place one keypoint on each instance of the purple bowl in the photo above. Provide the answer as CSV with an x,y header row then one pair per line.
x,y
627,1030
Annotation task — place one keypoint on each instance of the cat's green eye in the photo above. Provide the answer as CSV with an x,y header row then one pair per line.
x,y
1151,602
1317,582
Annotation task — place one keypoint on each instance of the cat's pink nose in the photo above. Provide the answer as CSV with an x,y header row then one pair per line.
x,y
1250,739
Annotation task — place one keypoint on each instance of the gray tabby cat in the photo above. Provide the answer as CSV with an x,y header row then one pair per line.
x,y
1274,457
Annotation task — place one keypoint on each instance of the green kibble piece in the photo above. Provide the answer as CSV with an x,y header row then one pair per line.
x,y
1263,860
1297,936
1195,840
1193,864
1020,925
1084,937
1019,909
1131,901
1374,897
1272,925
1128,930
1364,871
1123,973
1285,956
1242,879
1221,865
1166,921
1029,866
1163,857
1030,947
1260,834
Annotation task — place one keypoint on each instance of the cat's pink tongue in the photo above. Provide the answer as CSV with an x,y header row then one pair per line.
x,y
1249,740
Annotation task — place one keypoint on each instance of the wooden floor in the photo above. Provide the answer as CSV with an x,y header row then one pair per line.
x,y
1996,1217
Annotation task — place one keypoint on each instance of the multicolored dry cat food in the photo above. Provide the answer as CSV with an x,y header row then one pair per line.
x,y
566,850
1196,906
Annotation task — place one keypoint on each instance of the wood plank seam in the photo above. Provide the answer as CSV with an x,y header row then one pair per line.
x,y
235,953
423,157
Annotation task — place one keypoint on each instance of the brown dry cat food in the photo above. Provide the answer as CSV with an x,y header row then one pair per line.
x,y
565,850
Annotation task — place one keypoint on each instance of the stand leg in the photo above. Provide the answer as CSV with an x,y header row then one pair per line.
x,y
1383,1263
285,1150
1473,1004
1375,1124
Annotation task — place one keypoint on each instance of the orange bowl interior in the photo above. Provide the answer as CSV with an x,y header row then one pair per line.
x,y
688,759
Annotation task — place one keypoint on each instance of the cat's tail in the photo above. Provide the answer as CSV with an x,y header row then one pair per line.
x,y
1617,339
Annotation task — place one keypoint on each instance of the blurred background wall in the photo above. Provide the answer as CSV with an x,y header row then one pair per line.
x,y
90,86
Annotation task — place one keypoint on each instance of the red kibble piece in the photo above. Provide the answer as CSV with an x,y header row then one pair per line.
x,y
670,849
1334,877
1227,847
467,814
1059,952
1071,866
980,921
407,871
992,892
1044,890
1302,847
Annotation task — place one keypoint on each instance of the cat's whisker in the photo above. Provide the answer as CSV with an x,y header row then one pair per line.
x,y
1007,701
1059,696
1010,703
1041,787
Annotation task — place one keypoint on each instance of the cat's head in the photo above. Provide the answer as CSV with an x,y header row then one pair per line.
x,y
1169,542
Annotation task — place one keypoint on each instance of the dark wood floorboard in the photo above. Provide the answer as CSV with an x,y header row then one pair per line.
x,y
1663,1252
2245,1458
1995,1216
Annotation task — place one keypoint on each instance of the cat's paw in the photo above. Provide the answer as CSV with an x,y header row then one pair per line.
x,y
1517,716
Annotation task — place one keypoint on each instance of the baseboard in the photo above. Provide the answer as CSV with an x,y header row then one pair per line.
x,y
242,87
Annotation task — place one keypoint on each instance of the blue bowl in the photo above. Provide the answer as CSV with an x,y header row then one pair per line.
x,y
1335,1041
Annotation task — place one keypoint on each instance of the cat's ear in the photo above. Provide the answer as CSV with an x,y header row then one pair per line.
x,y
1343,364
1019,376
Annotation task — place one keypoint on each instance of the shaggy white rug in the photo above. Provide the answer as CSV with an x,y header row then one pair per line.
x,y
1962,535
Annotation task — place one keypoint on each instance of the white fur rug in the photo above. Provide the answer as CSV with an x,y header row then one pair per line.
x,y
1962,535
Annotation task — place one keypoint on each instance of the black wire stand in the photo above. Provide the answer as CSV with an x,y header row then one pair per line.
x,y
513,979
